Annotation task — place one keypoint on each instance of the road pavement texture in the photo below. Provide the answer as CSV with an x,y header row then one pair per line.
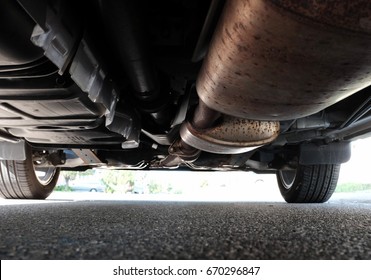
x,y
184,230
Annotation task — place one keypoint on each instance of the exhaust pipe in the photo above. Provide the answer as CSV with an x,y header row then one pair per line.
x,y
275,60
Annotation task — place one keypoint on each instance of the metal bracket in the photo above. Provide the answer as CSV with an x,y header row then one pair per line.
x,y
87,156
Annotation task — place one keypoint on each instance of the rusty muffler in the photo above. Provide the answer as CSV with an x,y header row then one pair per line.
x,y
286,59
275,60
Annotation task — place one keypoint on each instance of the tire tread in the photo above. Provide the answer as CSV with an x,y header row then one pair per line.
x,y
313,184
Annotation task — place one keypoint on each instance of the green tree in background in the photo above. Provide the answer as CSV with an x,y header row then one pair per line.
x,y
88,172
72,175
353,187
68,176
118,180
154,187
123,181
204,184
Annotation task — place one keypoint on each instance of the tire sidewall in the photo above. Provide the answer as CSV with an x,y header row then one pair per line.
x,y
291,194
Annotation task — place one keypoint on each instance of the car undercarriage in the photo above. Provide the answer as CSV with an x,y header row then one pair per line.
x,y
270,86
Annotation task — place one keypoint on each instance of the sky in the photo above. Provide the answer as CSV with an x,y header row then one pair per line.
x,y
358,168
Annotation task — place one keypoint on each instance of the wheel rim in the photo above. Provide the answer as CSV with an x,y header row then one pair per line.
x,y
287,178
45,174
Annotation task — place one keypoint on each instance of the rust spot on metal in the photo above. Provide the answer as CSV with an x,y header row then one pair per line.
x,y
242,26
242,48
228,34
353,15
235,26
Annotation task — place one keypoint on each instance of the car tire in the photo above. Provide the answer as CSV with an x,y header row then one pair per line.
x,y
24,180
308,183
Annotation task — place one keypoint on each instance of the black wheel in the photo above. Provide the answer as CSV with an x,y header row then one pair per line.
x,y
308,183
23,179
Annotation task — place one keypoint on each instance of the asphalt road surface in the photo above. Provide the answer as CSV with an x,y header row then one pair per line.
x,y
113,229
